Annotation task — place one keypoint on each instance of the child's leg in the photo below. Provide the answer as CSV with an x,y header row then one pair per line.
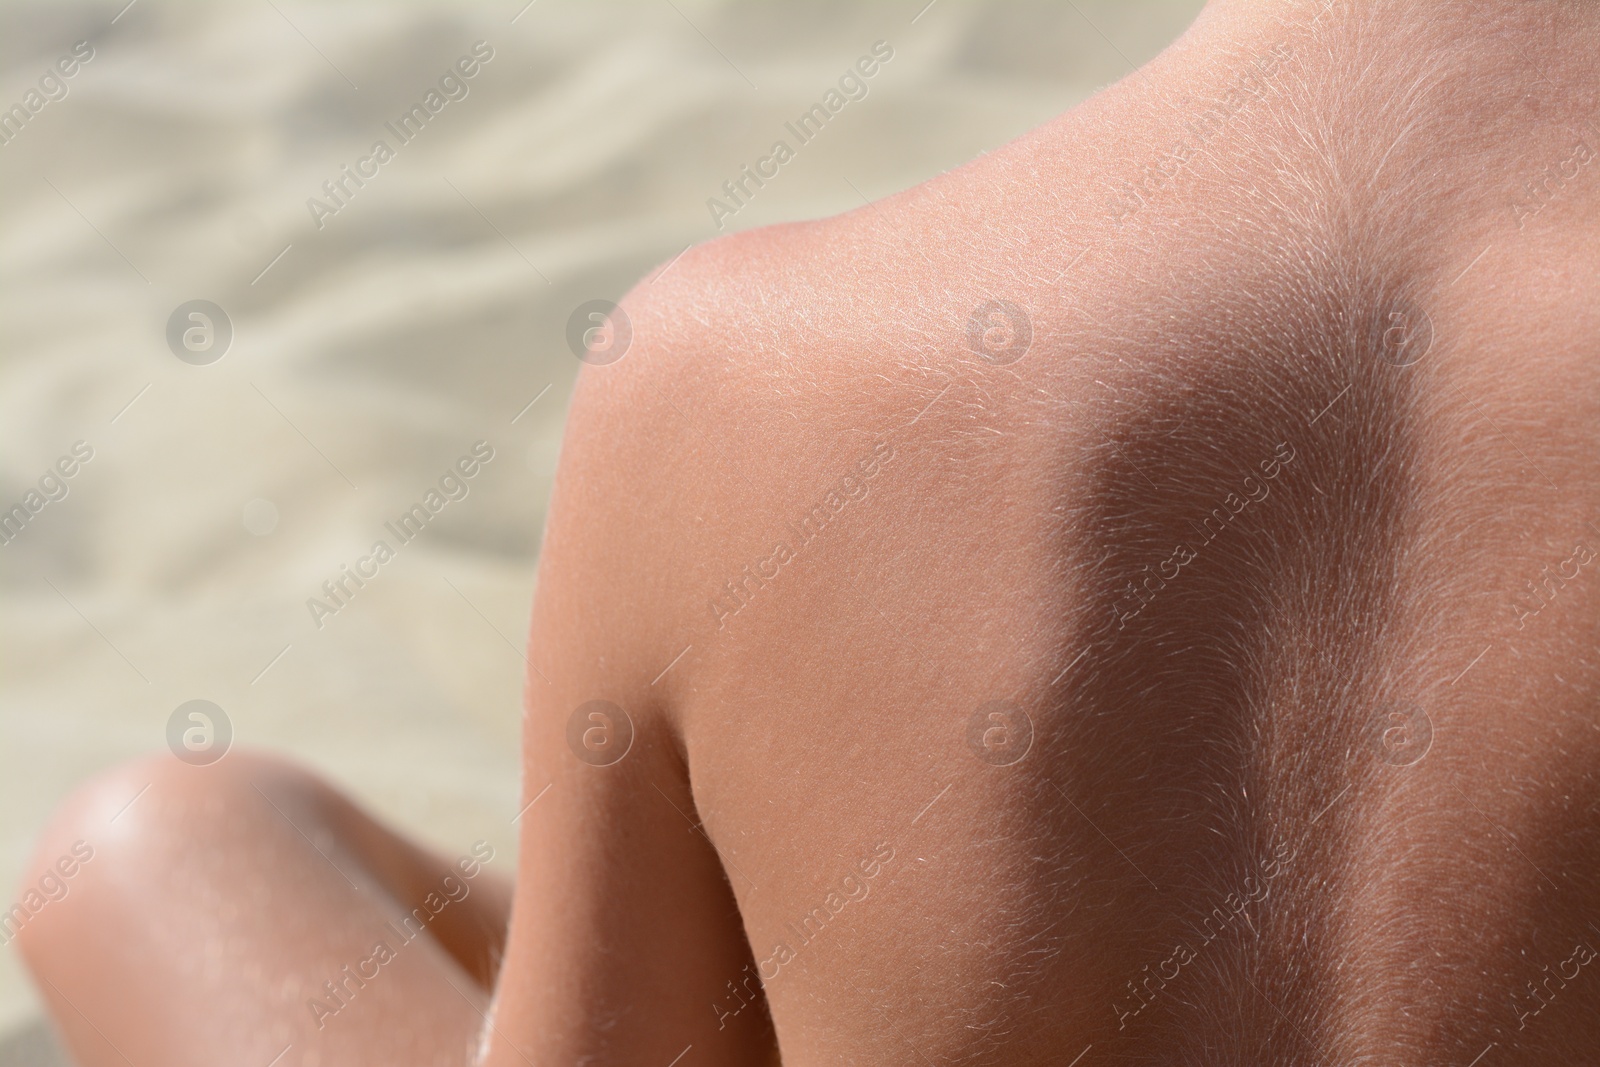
x,y
247,914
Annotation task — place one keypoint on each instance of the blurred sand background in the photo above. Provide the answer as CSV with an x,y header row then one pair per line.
x,y
422,317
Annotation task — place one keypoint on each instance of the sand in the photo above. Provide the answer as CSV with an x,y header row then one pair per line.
x,y
374,344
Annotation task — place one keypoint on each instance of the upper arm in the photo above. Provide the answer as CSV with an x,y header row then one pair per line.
x,y
625,930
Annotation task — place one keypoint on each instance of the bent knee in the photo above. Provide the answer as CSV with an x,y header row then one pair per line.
x,y
111,805
125,828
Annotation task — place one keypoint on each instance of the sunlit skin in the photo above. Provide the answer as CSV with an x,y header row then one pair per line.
x,y
1268,571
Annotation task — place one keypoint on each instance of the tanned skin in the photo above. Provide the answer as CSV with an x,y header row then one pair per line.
x,y
1193,660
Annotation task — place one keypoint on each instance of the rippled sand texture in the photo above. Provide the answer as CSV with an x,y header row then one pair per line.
x,y
368,355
